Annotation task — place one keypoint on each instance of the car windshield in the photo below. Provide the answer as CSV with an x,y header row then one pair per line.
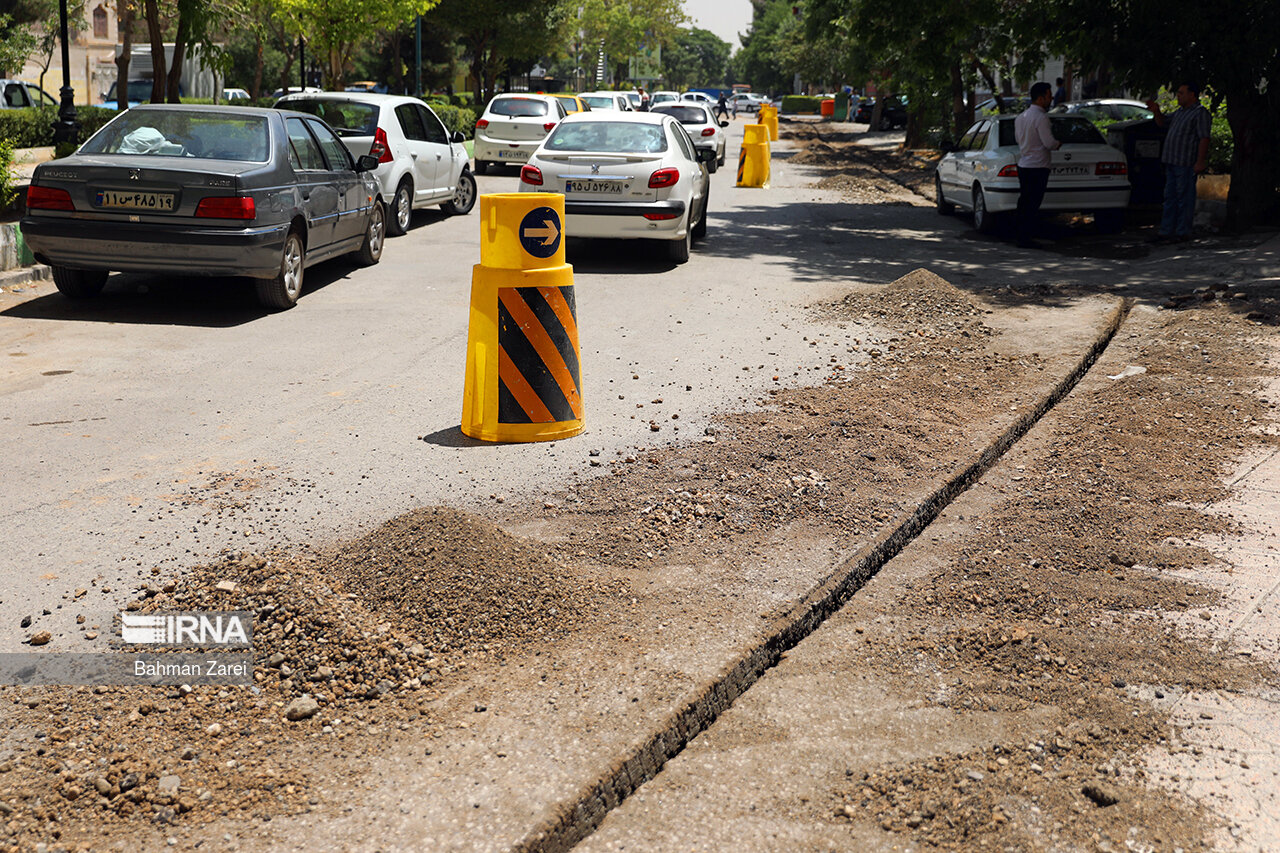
x,y
686,115
183,133
598,101
348,118
139,90
615,137
518,107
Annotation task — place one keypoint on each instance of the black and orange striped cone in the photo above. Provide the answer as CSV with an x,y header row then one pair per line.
x,y
523,374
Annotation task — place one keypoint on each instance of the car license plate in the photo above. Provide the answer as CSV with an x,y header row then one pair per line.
x,y
512,155
135,200
614,187
1071,170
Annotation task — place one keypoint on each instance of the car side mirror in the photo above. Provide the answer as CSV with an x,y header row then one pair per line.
x,y
366,163
724,124
947,146
458,137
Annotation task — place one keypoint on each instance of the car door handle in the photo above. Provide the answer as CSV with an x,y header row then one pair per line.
x,y
437,156
414,155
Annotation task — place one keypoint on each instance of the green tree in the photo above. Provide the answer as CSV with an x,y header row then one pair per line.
x,y
622,26
335,28
497,36
695,57
17,40
772,47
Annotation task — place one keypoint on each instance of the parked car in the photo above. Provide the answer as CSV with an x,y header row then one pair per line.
x,y
662,96
980,173
291,90
233,95
747,102
634,99
1011,103
420,163
204,190
137,92
625,175
572,104
698,97
608,101
512,126
702,126
893,115
1105,109
15,95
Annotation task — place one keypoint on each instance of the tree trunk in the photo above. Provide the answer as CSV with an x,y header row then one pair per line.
x,y
915,130
1255,171
395,43
958,123
179,55
158,76
124,23
258,62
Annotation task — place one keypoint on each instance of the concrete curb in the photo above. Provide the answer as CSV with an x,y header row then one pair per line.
x,y
577,818
25,275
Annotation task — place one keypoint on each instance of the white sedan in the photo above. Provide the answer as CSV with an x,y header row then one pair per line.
x,y
703,128
607,101
980,173
512,126
625,175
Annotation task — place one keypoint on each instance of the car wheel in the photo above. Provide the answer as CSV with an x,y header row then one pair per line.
x,y
700,230
465,198
983,219
1109,221
712,166
886,123
482,167
283,290
720,161
945,207
678,250
401,209
79,284
370,251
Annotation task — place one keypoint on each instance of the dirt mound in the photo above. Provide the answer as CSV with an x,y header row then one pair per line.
x,y
459,582
815,152
917,301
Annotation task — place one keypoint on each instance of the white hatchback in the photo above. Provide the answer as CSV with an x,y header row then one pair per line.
x,y
662,97
625,175
608,101
980,173
512,126
420,163
703,128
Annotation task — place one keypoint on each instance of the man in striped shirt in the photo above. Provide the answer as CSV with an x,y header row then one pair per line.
x,y
1185,155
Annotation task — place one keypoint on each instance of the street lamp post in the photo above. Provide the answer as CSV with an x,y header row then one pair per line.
x,y
66,129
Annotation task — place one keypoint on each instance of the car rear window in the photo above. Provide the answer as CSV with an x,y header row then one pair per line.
x,y
183,133
1075,129
686,115
611,137
570,104
518,107
598,102
348,118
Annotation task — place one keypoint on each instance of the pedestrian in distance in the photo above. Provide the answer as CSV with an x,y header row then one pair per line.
x,y
1185,157
1060,94
1035,141
722,107
644,99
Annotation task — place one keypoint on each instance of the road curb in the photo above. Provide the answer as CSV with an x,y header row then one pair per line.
x,y
576,818
25,275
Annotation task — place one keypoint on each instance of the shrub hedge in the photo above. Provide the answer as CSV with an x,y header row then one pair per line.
x,y
801,104
33,127
456,117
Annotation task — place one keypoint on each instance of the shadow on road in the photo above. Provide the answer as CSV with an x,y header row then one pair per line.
x,y
167,300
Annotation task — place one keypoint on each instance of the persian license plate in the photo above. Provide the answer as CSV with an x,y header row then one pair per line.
x,y
512,155
118,200
1071,170
614,187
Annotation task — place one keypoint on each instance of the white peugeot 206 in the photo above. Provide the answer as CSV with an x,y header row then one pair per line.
x,y
511,127
980,173
625,175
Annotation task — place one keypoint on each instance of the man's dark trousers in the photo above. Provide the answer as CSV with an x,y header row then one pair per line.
x,y
1031,185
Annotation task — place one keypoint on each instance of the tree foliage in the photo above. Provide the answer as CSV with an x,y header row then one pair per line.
x,y
335,28
496,36
695,57
623,26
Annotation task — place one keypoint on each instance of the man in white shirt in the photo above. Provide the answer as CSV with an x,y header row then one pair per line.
x,y
1035,140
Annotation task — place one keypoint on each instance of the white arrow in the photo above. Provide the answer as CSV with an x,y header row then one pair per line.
x,y
548,234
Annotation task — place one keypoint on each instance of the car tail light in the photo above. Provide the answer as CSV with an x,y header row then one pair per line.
x,y
1010,171
708,131
1111,169
48,198
381,147
531,175
663,178
658,217
549,126
482,124
226,207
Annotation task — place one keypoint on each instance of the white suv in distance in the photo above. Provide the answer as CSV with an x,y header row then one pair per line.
x,y
702,126
419,163
512,126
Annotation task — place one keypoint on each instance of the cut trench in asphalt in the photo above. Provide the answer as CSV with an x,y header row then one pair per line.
x,y
712,538
578,818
